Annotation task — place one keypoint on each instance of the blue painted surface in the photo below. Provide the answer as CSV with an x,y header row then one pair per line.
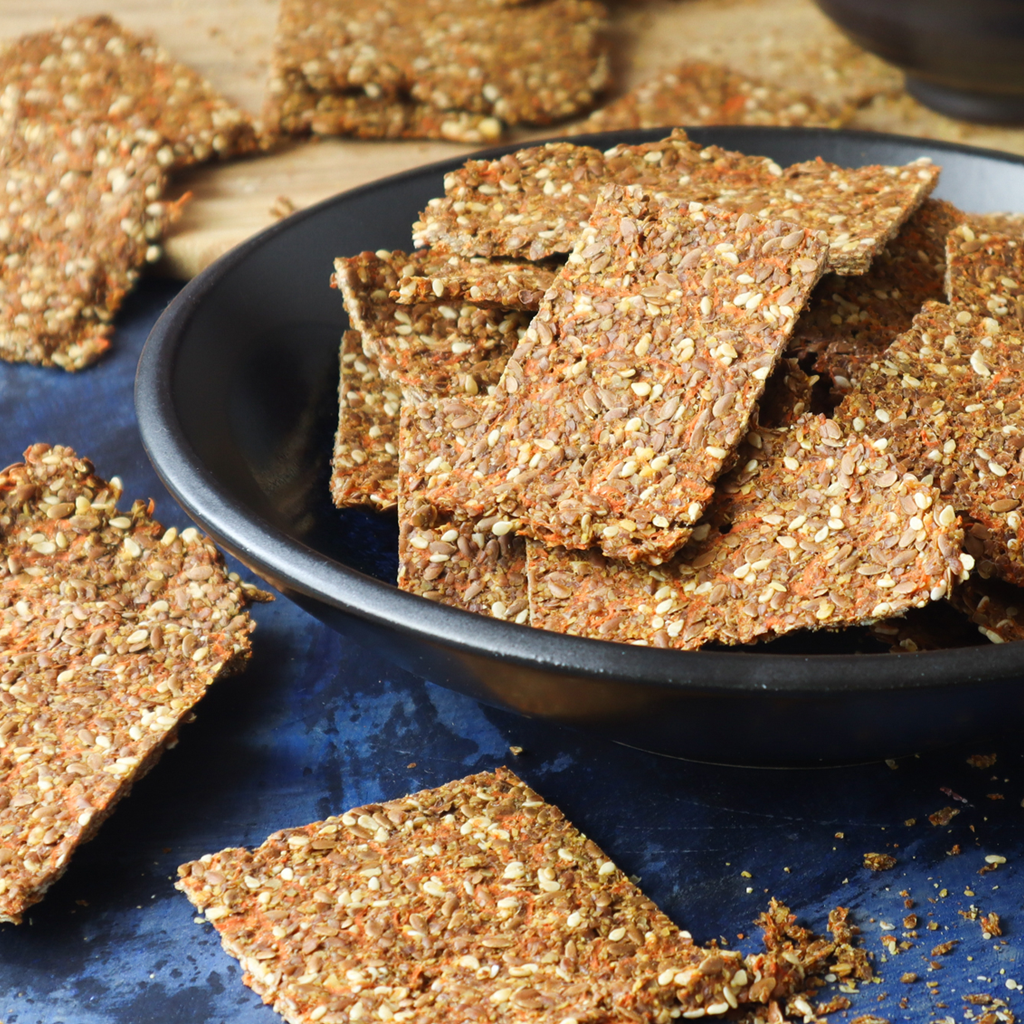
x,y
318,724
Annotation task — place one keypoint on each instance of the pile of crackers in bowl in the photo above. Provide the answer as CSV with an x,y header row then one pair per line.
x,y
673,395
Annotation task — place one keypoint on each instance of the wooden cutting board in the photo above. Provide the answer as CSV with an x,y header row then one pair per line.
x,y
229,41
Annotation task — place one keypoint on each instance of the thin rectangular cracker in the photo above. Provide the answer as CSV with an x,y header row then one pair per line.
x,y
811,530
633,383
79,214
476,900
364,463
946,399
533,203
111,629
699,92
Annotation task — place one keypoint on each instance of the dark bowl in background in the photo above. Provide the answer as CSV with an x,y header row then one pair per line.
x,y
236,397
963,58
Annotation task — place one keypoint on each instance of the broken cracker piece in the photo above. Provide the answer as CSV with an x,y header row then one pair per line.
x,y
473,564
111,629
364,464
850,321
632,386
512,284
92,69
79,212
446,939
946,399
698,93
985,275
431,345
811,530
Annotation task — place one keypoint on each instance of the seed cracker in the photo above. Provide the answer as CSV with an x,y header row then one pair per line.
x,y
512,284
473,901
997,223
364,465
994,607
812,530
296,110
534,62
850,321
80,212
634,382
698,92
788,394
455,560
111,629
92,69
533,203
433,346
984,275
946,397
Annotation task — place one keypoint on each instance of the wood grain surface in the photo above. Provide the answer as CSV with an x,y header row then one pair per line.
x,y
229,41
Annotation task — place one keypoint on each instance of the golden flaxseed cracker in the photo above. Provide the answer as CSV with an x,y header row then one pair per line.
x,y
94,69
512,284
946,399
850,321
364,464
698,93
428,906
533,62
111,629
431,345
80,214
533,203
634,382
811,530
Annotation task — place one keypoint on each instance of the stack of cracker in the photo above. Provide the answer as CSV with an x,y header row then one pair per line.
x,y
646,464
438,69
92,119
111,629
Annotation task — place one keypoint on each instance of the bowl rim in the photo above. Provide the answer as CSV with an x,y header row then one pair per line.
x,y
294,567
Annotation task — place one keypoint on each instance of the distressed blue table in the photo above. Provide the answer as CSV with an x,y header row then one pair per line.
x,y
318,724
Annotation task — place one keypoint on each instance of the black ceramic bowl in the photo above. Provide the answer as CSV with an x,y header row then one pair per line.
x,y
236,399
964,58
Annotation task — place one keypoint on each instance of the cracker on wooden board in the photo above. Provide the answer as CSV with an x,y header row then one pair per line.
x,y
946,398
428,905
431,345
508,63
364,463
300,111
994,607
698,92
111,629
80,212
633,383
92,69
850,321
533,203
811,530
513,284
